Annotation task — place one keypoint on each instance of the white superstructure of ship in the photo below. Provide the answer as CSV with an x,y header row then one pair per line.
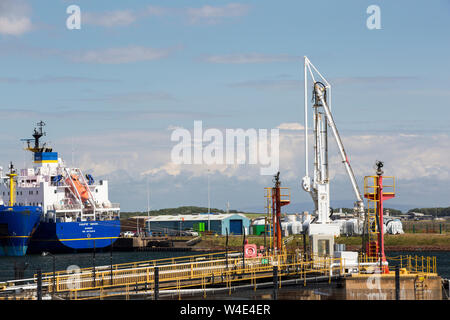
x,y
65,194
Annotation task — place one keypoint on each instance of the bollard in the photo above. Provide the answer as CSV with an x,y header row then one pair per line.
x,y
448,287
397,283
275,282
39,284
156,280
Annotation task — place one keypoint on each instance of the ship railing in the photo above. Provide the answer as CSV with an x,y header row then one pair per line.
x,y
65,207
111,209
28,185
108,206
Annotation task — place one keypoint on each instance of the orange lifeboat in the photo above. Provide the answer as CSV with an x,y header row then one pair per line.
x,y
82,191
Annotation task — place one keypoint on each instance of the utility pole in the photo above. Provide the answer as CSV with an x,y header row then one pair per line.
x,y
209,204
148,200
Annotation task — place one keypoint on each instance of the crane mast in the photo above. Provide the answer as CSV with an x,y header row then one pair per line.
x,y
319,188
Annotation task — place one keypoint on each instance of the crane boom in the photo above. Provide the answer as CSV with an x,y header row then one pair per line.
x,y
319,187
319,91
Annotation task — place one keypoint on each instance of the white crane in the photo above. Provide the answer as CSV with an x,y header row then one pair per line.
x,y
319,188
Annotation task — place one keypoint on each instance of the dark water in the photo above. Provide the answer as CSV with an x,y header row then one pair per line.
x,y
442,259
83,260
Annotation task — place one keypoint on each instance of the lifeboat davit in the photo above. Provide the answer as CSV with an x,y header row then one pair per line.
x,y
82,191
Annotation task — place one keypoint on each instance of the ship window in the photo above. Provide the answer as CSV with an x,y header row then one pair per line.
x,y
37,192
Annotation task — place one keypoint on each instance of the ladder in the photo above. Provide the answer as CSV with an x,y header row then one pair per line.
x,y
372,228
419,287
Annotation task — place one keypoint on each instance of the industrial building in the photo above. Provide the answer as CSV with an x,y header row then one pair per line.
x,y
218,223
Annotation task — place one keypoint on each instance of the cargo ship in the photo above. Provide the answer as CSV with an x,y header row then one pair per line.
x,y
17,223
76,214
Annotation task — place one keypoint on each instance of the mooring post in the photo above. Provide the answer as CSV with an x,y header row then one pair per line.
x,y
93,267
156,279
111,261
304,245
226,248
397,283
448,282
243,248
275,282
39,284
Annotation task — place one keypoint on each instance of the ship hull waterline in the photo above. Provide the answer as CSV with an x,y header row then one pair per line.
x,y
17,226
71,237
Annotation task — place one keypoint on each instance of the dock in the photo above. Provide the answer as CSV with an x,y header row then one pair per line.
x,y
153,243
208,275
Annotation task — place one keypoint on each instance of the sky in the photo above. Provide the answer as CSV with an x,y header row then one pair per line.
x,y
112,92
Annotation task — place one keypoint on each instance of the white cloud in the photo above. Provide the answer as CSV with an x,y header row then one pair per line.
x,y
110,18
14,17
121,55
291,126
282,84
244,58
206,14
214,14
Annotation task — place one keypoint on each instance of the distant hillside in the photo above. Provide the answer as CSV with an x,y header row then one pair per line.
x,y
174,211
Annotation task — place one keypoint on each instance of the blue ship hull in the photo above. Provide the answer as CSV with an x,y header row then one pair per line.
x,y
66,237
17,225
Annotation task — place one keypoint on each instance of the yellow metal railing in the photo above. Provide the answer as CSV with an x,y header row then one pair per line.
x,y
370,185
191,273
145,263
185,275
407,263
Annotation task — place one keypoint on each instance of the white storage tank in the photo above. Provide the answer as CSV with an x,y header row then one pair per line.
x,y
296,227
394,226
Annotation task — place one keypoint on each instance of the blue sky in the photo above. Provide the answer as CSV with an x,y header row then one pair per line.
x,y
111,92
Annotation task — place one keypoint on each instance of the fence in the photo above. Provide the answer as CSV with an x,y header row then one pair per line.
x,y
426,227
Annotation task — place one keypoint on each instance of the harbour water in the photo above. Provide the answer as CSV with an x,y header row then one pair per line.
x,y
83,260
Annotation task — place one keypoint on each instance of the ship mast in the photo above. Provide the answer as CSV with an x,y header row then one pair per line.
x,y
12,185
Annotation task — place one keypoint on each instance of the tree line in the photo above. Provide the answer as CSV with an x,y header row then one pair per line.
x,y
174,211
439,212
